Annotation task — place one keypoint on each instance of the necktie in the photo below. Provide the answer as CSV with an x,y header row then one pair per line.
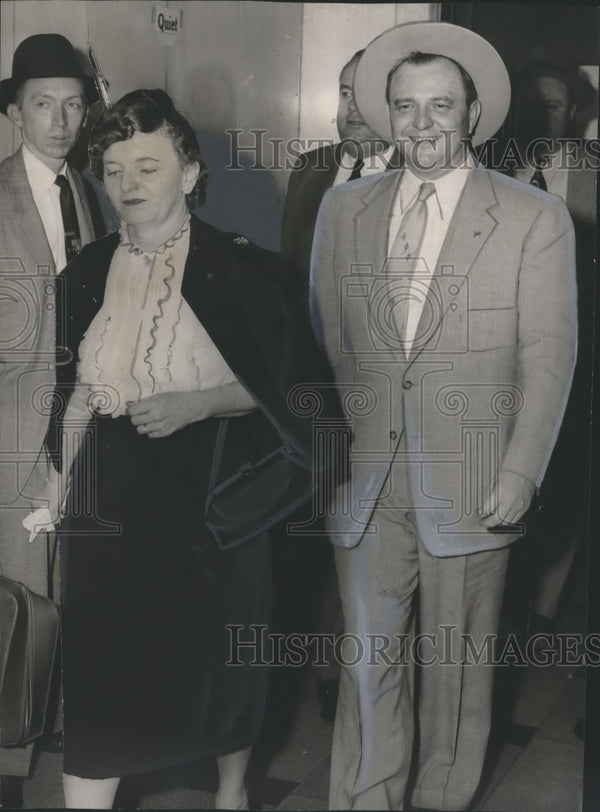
x,y
407,245
538,178
358,167
69,217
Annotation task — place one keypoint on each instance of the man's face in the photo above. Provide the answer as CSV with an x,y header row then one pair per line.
x,y
349,121
50,115
429,116
543,109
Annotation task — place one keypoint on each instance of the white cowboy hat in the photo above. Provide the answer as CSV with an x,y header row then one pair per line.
x,y
481,61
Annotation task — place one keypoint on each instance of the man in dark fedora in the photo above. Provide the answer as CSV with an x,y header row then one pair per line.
x,y
445,297
45,218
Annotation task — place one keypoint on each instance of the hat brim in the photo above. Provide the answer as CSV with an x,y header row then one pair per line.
x,y
9,87
480,59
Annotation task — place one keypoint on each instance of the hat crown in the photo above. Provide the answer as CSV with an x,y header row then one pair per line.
x,y
43,56
549,54
551,60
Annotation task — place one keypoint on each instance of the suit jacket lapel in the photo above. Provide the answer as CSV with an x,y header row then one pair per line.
x,y
372,221
470,228
29,222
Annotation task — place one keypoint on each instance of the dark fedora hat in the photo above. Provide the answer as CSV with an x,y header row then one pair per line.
x,y
44,56
551,59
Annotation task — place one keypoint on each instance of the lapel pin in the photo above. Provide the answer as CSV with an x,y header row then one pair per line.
x,y
240,240
477,233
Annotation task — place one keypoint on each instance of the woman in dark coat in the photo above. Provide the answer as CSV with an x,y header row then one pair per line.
x,y
178,348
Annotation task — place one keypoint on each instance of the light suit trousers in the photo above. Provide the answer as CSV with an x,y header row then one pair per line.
x,y
413,703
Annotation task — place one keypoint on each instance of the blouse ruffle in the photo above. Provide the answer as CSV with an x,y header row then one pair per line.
x,y
145,338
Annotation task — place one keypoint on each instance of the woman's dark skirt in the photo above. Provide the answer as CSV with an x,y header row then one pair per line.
x,y
147,602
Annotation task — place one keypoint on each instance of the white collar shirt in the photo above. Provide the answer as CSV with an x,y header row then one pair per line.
x,y
441,206
46,196
373,165
556,174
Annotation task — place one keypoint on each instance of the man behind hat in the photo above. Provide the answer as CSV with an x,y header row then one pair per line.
x,y
547,93
45,218
360,153
327,166
444,294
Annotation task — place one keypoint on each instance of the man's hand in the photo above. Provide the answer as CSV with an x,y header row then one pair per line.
x,y
507,501
166,412
53,495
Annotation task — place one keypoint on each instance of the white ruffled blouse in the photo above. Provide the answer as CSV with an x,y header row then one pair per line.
x,y
145,338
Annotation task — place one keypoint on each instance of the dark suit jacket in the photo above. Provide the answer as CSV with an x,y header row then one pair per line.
x,y
312,176
251,308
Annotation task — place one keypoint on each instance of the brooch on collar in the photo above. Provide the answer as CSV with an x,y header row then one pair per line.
x,y
239,240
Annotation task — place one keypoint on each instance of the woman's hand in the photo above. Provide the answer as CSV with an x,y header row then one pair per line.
x,y
166,412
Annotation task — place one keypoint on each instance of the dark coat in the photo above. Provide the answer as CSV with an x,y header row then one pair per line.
x,y
251,307
313,174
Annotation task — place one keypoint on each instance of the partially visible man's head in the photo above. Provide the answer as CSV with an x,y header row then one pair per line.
x,y
543,107
350,124
434,111
50,114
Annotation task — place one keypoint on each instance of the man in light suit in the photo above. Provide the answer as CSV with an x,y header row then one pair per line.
x,y
46,97
445,297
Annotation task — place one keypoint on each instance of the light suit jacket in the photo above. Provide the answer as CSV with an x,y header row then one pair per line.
x,y
485,387
27,335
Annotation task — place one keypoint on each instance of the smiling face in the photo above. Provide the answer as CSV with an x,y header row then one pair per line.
x,y
147,184
429,116
50,114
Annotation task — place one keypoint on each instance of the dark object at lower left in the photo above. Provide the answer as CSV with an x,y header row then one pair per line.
x,y
29,625
11,792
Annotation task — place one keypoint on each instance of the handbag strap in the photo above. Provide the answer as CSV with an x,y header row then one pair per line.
x,y
217,453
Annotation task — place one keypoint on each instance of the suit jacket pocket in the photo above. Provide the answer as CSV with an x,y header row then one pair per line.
x,y
491,328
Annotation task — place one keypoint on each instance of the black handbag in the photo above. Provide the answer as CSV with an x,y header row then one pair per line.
x,y
258,495
29,625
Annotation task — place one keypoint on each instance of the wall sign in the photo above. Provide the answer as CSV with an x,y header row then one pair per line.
x,y
167,21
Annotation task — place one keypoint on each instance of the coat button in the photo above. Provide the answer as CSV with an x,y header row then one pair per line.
x,y
406,384
393,435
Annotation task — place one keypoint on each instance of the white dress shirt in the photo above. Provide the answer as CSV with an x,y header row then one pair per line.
x,y
556,174
46,196
374,164
440,209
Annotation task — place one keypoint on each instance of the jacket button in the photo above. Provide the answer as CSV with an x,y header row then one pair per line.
x,y
406,384
393,435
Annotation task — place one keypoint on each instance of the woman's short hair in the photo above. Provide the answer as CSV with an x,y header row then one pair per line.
x,y
148,111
